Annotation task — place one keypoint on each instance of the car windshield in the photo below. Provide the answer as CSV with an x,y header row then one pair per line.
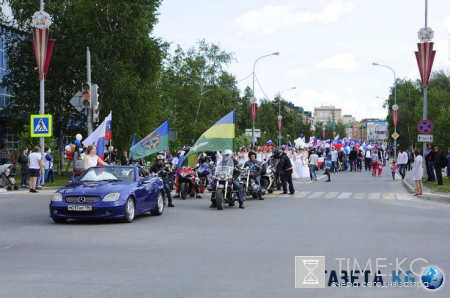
x,y
109,173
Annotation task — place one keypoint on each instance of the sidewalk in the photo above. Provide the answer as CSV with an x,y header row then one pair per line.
x,y
428,194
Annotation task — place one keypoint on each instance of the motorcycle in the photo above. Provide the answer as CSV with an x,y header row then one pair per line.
x,y
268,178
203,170
248,183
171,169
188,182
225,192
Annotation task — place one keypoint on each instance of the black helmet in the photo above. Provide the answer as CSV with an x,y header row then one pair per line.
x,y
251,153
276,150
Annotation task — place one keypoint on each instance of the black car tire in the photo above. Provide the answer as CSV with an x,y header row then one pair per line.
x,y
130,210
159,205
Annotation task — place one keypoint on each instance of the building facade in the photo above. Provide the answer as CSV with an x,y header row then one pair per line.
x,y
6,136
327,115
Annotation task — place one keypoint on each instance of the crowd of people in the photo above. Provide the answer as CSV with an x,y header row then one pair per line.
x,y
299,163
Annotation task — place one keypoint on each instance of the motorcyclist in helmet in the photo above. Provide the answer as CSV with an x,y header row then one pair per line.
x,y
227,154
163,171
176,158
254,171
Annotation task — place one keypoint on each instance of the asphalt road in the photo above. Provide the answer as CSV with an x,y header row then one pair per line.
x,y
194,251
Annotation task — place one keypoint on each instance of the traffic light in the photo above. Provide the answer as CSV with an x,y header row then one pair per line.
x,y
86,95
95,103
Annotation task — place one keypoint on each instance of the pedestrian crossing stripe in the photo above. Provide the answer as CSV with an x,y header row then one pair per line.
x,y
345,195
41,125
331,195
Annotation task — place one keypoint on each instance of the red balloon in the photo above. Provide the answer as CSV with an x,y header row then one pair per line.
x,y
69,155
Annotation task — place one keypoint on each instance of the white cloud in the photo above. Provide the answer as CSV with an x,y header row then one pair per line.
x,y
349,90
447,24
271,19
314,98
345,62
299,72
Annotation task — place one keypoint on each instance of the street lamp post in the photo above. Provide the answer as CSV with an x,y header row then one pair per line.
x,y
253,100
280,118
394,107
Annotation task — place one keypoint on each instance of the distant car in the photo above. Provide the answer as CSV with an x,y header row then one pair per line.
x,y
115,192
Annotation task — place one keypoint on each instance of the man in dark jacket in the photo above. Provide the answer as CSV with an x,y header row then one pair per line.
x,y
164,172
284,168
439,161
352,158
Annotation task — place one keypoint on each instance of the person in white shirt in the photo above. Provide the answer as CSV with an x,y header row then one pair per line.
x,y
402,160
35,167
334,158
91,159
368,160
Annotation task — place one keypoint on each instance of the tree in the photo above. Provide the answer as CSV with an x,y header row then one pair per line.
x,y
196,91
125,61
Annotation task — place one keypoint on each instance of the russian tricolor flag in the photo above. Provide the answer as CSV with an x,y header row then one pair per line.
x,y
99,136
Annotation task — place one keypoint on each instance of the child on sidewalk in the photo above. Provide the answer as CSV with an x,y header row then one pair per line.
x,y
394,168
380,168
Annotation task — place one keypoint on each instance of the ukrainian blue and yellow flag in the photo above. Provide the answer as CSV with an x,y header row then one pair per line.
x,y
218,138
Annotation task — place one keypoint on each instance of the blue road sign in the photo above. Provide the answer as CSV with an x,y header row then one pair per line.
x,y
425,126
41,126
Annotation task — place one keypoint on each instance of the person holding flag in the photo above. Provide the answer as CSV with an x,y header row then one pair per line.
x,y
91,158
99,136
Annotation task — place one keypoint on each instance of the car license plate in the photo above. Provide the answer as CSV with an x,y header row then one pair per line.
x,y
79,208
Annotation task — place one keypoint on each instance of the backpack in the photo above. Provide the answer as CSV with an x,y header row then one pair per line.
x,y
78,164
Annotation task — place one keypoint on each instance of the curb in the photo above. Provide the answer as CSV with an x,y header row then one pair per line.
x,y
428,196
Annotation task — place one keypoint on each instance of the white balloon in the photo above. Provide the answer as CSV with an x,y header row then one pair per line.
x,y
67,148
79,137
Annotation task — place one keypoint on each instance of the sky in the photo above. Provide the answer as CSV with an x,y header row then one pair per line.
x,y
326,47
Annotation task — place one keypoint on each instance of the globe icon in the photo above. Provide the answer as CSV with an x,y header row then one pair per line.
x,y
432,277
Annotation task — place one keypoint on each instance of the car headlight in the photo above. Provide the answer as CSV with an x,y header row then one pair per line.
x,y
56,197
111,197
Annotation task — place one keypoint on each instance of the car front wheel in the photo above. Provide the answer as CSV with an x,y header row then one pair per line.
x,y
159,205
129,210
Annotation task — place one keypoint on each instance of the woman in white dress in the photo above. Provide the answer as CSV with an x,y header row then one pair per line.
x,y
91,159
305,167
299,162
417,172
293,158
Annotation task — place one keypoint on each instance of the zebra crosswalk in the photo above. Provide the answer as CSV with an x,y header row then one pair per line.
x,y
345,195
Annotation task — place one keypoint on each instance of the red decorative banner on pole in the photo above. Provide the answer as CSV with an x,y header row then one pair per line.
x,y
40,41
280,124
425,58
395,117
254,111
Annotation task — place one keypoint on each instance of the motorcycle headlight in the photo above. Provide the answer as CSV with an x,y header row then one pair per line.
x,y
183,174
111,197
57,197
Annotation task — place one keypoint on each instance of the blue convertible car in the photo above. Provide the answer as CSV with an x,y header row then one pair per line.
x,y
109,192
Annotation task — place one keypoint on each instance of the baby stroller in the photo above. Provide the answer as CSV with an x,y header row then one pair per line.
x,y
6,179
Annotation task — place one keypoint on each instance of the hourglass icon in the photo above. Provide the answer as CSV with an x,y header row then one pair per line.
x,y
310,278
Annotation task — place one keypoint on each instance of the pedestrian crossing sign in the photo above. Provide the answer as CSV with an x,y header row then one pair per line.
x,y
41,126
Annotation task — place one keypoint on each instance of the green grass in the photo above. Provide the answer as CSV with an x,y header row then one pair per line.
x,y
433,186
